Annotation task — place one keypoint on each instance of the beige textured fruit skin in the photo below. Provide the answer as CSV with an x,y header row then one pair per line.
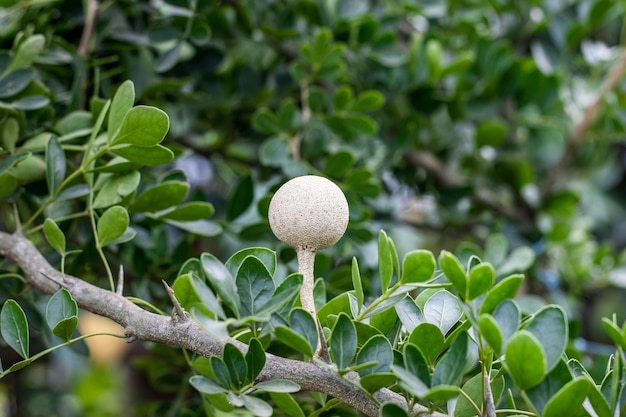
x,y
309,212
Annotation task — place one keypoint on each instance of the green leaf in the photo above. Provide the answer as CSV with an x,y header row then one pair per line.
x,y
392,410
221,372
385,261
505,289
490,133
429,339
54,236
286,403
525,359
14,327
264,121
339,164
112,225
15,82
255,359
507,316
443,310
356,283
293,340
254,286
194,210
376,349
240,199
442,393
12,160
418,266
206,385
278,385
9,135
192,293
368,101
116,188
343,97
221,280
614,332
274,152
153,156
160,197
449,369
410,382
144,126
257,406
26,53
549,326
301,322
415,363
27,103
198,227
343,341
61,306
121,104
65,328
454,271
474,389
481,278
285,295
55,164
490,331
568,401
236,364
8,184
519,260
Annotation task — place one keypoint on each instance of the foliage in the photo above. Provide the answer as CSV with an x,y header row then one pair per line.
x,y
489,134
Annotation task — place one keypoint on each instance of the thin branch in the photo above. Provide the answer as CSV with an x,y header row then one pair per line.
x,y
91,11
147,326
579,132
120,281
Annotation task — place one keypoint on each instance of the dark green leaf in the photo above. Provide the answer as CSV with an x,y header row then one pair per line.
x,y
505,289
285,294
15,82
343,97
339,164
525,359
442,393
293,340
236,364
415,363
14,327
255,359
373,382
264,121
241,198
12,160
449,369
254,286
161,197
286,403
61,306
429,339
392,410
122,102
28,103
454,271
568,401
221,280
55,164
221,372
198,227
65,328
377,349
410,382
301,322
194,210
474,389
112,225
54,236
418,266
116,188
143,126
153,156
343,341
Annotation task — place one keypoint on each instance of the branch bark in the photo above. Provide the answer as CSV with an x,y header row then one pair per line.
x,y
147,326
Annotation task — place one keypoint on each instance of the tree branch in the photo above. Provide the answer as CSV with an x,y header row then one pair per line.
x,y
144,325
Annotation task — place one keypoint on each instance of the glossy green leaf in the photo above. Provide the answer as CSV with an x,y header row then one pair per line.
x,y
15,82
55,164
54,236
415,363
255,359
287,404
474,389
418,266
116,188
221,280
293,340
490,331
112,225
368,101
568,401
65,328
241,198
61,306
160,197
142,126
254,286
449,369
385,260
443,310
549,326
14,327
278,385
301,322
525,359
285,295
390,409
481,278
194,210
221,372
377,349
121,104
266,256
429,339
454,271
236,364
343,341
505,289
153,156
206,385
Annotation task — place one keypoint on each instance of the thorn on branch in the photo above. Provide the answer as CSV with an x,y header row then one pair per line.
x,y
179,311
120,281
62,284
132,338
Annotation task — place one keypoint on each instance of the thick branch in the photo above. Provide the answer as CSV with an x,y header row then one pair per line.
x,y
152,327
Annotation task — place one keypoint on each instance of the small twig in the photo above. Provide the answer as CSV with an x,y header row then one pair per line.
x,y
61,284
92,7
579,132
179,311
120,281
